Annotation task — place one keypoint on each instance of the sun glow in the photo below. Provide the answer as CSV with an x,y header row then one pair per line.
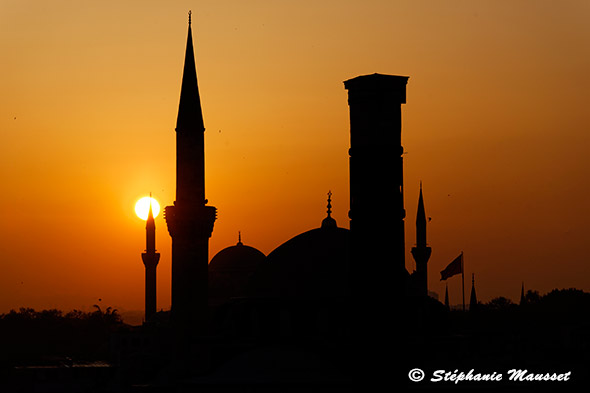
x,y
142,207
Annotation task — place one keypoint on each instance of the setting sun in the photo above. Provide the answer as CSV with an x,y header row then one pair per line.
x,y
142,207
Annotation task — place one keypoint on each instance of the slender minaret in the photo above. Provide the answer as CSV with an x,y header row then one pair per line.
x,y
522,297
447,305
190,221
421,252
472,298
150,260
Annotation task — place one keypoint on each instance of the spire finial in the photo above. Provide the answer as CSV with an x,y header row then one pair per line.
x,y
239,238
329,222
189,17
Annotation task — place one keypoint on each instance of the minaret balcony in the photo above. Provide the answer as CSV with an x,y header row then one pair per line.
x,y
190,221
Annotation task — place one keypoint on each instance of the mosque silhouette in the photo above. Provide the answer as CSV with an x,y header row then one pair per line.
x,y
304,315
329,310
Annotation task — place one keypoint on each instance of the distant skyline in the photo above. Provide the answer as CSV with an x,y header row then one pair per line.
x,y
495,126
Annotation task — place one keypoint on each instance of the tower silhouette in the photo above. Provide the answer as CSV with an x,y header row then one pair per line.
x,y
190,221
377,276
150,260
421,252
375,164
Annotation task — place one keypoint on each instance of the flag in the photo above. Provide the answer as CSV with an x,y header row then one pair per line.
x,y
453,268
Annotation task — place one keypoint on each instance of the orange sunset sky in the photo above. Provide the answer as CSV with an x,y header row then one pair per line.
x,y
496,126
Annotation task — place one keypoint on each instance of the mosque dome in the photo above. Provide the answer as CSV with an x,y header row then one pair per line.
x,y
311,265
230,269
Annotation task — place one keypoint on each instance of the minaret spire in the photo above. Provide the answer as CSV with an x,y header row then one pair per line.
x,y
150,230
190,116
421,221
473,297
421,252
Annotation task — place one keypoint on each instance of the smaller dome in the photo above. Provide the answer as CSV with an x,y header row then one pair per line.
x,y
230,269
238,258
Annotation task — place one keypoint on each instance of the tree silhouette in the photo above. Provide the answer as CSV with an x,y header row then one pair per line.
x,y
500,304
28,335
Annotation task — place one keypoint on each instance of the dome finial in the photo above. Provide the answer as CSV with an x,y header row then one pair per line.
x,y
329,222
240,239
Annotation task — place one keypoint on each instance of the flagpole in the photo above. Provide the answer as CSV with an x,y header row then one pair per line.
x,y
463,278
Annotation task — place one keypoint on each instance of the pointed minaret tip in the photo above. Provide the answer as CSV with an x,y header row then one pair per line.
x,y
421,216
150,218
190,116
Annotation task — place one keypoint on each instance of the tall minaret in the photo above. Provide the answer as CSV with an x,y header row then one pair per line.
x,y
150,260
421,252
190,221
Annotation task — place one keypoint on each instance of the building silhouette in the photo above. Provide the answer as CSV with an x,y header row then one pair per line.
x,y
317,303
